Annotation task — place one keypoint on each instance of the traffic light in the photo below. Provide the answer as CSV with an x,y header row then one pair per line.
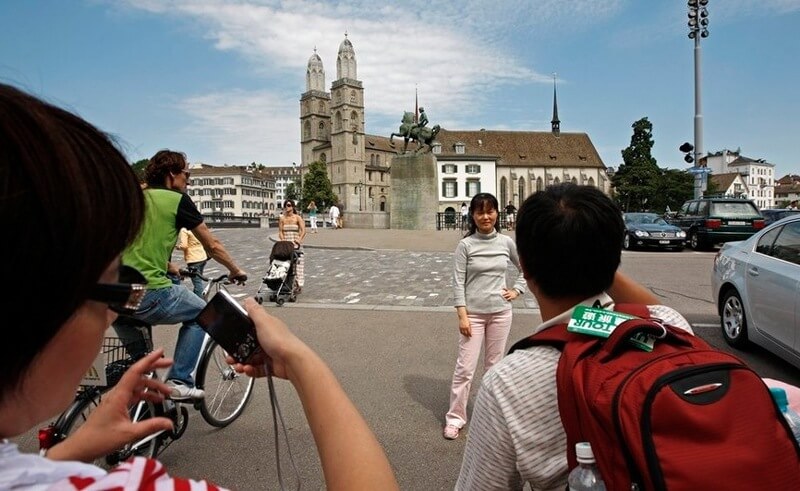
x,y
687,149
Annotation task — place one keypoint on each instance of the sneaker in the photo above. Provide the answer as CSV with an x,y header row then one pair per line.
x,y
451,432
182,392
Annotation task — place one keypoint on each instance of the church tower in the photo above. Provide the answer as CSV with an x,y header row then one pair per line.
x,y
346,162
315,115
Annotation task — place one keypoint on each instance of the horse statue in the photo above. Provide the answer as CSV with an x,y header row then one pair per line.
x,y
409,130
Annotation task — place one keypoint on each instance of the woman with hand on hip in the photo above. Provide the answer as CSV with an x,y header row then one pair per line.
x,y
292,227
482,301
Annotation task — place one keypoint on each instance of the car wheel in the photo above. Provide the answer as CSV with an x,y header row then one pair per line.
x,y
734,320
626,242
695,243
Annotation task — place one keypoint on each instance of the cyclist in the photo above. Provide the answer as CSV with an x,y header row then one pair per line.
x,y
168,209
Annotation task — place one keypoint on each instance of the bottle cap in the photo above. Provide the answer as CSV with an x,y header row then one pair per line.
x,y
779,395
583,451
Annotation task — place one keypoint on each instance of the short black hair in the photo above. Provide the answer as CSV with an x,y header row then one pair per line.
x,y
479,202
569,240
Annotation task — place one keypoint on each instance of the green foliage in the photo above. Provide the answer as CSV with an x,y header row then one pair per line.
x,y
637,177
255,166
711,187
293,193
138,168
317,187
673,188
641,185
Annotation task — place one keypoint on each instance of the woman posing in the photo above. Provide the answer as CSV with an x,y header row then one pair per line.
x,y
482,301
292,227
312,216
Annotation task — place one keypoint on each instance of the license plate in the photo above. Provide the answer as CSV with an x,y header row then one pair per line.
x,y
737,222
663,242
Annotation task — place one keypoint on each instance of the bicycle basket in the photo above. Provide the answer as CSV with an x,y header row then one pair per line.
x,y
114,358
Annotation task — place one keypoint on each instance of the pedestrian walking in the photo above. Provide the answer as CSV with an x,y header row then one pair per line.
x,y
333,213
464,216
292,228
194,254
312,216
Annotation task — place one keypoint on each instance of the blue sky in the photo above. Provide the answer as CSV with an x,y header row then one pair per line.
x,y
221,80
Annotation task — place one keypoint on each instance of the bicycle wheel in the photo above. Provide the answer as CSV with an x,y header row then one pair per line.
x,y
85,403
227,392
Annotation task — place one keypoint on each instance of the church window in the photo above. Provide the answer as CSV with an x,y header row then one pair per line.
x,y
307,130
378,159
539,184
321,107
574,180
323,158
503,190
352,97
520,190
338,120
322,130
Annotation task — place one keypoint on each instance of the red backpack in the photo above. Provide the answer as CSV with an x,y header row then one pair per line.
x,y
684,416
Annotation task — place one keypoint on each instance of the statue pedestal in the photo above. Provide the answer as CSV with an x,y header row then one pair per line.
x,y
415,193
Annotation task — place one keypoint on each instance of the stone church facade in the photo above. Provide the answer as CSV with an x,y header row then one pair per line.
x,y
509,164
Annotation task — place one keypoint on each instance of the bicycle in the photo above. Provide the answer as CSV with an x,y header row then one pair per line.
x,y
226,392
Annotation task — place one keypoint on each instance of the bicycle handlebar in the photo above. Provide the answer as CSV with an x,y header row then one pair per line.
x,y
192,273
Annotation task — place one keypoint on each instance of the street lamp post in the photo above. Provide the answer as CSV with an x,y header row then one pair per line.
x,y
698,28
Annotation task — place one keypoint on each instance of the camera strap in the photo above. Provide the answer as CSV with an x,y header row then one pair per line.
x,y
276,416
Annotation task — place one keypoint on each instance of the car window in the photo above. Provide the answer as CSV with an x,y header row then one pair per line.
x,y
787,245
730,209
685,208
660,221
702,208
692,208
764,245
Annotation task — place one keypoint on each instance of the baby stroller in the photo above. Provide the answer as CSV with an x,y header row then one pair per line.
x,y
280,282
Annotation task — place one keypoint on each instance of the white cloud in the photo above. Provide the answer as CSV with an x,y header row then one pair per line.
x,y
243,127
399,46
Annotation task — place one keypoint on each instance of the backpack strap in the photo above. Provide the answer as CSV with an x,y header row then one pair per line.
x,y
573,348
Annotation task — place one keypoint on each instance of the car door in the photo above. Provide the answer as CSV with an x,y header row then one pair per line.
x,y
772,279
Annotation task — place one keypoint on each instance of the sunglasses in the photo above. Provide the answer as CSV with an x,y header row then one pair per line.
x,y
123,297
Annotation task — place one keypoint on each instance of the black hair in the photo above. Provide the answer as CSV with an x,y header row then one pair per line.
x,y
71,203
479,202
282,250
569,240
162,164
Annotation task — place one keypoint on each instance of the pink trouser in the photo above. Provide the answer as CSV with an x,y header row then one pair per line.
x,y
495,328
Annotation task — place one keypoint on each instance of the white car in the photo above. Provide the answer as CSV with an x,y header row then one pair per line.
x,y
756,284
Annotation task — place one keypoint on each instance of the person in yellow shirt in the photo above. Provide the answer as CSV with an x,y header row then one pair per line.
x,y
195,256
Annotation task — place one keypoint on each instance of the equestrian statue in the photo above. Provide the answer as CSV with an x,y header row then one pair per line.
x,y
417,131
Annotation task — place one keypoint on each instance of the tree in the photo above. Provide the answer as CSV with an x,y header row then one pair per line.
x,y
254,166
138,168
317,186
637,178
292,193
674,187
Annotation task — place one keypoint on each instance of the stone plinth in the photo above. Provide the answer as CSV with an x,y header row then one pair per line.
x,y
414,201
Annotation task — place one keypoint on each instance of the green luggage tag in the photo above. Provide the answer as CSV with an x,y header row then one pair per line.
x,y
601,323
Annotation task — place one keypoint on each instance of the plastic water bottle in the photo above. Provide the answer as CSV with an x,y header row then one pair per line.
x,y
585,477
779,395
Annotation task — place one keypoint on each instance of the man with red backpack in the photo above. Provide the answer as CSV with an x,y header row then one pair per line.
x,y
535,404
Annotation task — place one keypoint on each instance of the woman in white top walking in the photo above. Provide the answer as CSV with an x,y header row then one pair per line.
x,y
482,301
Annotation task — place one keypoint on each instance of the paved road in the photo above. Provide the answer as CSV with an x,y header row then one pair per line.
x,y
377,307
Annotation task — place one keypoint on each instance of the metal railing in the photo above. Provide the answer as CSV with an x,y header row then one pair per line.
x,y
452,221
219,221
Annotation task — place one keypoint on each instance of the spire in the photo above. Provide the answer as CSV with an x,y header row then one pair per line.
x,y
416,106
555,123
346,60
315,73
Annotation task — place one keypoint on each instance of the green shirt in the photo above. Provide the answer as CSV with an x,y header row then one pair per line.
x,y
166,212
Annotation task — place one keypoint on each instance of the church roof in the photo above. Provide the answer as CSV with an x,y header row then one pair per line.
x,y
375,142
522,148
315,61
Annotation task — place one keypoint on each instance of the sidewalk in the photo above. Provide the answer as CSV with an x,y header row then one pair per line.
x,y
383,239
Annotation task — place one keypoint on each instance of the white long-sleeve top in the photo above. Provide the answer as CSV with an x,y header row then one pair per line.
x,y
480,266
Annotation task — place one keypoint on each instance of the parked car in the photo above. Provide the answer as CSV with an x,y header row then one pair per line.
x,y
756,285
651,230
716,220
775,214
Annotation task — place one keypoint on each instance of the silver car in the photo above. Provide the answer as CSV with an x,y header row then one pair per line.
x,y
756,283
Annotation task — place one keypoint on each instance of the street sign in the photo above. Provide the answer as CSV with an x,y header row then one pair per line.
x,y
698,170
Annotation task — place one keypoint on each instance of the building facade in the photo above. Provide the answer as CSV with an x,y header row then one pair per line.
x,y
509,164
757,173
231,191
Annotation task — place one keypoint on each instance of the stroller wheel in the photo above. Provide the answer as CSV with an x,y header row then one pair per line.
x,y
259,299
272,298
279,302
293,298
